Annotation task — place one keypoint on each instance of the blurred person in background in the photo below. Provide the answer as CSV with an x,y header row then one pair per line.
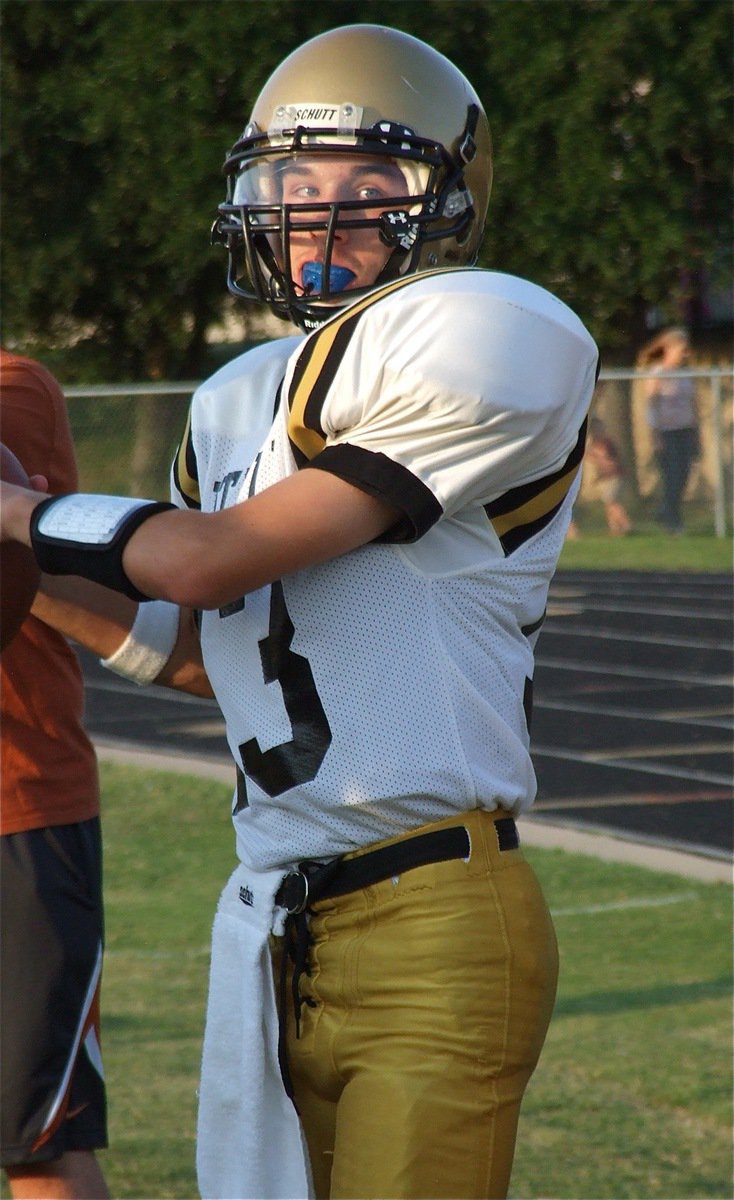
x,y
672,418
603,457
53,1116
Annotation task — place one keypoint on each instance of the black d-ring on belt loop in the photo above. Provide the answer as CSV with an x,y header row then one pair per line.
x,y
292,894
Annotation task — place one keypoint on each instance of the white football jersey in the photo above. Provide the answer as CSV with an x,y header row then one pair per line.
x,y
391,687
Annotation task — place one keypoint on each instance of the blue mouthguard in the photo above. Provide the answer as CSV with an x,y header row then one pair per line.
x,y
312,276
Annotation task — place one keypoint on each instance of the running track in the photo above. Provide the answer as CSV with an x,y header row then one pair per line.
x,y
632,718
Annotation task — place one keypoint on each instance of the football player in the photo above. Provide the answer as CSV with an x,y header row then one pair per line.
x,y
366,517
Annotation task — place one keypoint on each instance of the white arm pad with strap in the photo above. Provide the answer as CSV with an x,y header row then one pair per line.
x,y
85,534
149,644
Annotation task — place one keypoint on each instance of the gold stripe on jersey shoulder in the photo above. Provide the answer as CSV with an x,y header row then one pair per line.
x,y
184,469
525,510
537,507
318,362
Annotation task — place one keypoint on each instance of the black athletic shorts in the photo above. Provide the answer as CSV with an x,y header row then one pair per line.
x,y
51,933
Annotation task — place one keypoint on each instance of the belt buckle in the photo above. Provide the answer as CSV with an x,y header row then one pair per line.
x,y
294,893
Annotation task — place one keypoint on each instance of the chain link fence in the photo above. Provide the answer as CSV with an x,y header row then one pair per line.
x,y
126,437
621,403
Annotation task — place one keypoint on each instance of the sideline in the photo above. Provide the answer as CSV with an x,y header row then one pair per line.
x,y
533,830
536,832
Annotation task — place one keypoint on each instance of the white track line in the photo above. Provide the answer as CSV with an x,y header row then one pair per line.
x,y
620,905
589,668
684,716
575,607
623,764
645,639
616,801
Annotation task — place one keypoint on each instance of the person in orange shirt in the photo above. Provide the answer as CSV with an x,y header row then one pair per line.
x,y
53,1111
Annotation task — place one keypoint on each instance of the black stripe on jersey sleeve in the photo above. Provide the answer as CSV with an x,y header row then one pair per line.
x,y
310,350
332,362
519,496
185,469
528,630
522,512
379,476
522,533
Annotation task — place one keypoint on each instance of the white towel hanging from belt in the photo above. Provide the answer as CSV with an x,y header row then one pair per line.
x,y
250,1145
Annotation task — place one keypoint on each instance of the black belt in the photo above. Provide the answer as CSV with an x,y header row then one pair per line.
x,y
315,881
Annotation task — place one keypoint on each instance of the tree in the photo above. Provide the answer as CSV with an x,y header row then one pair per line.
x,y
612,177
614,154
117,119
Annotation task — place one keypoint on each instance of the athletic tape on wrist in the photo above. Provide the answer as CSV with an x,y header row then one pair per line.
x,y
149,644
86,535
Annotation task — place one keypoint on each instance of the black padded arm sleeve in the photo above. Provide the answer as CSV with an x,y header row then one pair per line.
x,y
63,548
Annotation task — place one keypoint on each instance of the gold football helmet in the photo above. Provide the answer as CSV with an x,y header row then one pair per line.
x,y
358,90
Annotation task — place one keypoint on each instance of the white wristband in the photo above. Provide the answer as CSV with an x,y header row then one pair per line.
x,y
149,644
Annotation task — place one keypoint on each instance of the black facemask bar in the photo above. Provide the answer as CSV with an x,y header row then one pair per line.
x,y
257,235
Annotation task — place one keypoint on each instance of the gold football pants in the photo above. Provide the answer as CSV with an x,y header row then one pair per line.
x,y
425,1011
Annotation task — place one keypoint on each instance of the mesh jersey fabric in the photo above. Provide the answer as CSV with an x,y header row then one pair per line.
x,y
385,689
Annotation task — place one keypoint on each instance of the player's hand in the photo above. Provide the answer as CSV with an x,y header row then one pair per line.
x,y
16,508
18,497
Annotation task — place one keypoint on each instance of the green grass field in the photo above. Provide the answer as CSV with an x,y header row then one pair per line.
x,y
647,547
648,550
633,1094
